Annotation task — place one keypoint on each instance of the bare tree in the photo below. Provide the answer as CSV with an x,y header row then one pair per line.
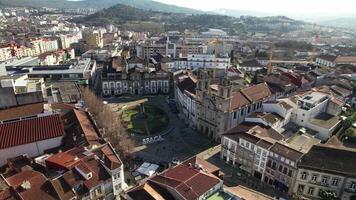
x,y
109,123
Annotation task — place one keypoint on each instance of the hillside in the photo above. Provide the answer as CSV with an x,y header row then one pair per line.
x,y
100,4
340,22
153,21
128,17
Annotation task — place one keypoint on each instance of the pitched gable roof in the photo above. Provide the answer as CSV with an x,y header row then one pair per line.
x,y
30,130
250,95
187,181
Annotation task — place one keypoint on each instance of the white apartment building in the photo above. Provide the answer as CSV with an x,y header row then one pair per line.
x,y
314,110
68,39
196,61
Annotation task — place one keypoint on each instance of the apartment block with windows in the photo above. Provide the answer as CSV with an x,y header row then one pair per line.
x,y
326,169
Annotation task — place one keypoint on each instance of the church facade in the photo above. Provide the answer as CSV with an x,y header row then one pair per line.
x,y
220,107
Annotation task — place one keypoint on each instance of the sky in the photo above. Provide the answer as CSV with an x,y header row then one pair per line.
x,y
286,7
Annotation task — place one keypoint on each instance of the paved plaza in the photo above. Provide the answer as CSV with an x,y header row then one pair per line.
x,y
181,142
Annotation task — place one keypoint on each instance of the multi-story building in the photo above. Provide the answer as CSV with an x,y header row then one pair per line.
x,y
82,69
68,39
220,107
169,49
326,60
262,152
314,110
136,80
186,97
247,147
326,169
197,61
92,40
282,167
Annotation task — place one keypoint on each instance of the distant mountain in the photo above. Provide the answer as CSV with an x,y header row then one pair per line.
x,y
128,17
131,18
340,22
239,13
100,4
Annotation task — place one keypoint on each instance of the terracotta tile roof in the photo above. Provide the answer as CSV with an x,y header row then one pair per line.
x,y
7,195
210,168
257,92
30,130
76,159
87,127
286,151
110,159
253,132
72,179
250,95
330,58
188,181
62,188
238,101
83,167
65,160
40,187
21,111
100,174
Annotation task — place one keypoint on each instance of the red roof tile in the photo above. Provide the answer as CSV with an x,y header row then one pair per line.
x,y
87,127
257,92
65,160
30,130
187,180
21,111
110,159
250,95
40,187
239,101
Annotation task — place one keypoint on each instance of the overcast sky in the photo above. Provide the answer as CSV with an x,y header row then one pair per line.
x,y
289,7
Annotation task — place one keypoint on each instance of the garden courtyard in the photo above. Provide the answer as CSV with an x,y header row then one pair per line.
x,y
145,119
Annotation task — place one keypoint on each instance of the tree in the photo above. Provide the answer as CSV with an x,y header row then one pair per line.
x,y
328,195
109,123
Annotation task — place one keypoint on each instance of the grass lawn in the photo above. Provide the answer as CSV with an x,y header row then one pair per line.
x,y
220,196
156,120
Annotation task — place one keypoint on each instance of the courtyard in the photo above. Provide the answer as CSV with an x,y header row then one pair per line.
x,y
145,119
